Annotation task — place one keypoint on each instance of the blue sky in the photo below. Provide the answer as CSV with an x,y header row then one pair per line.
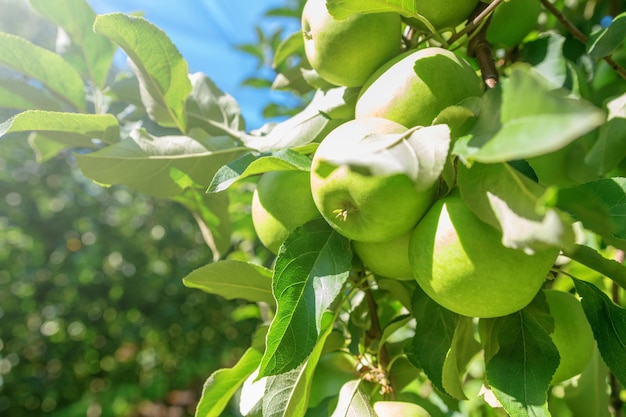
x,y
206,32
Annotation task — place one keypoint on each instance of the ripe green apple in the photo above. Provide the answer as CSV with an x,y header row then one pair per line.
x,y
357,203
281,202
414,87
346,52
443,13
460,262
512,21
388,259
572,334
399,409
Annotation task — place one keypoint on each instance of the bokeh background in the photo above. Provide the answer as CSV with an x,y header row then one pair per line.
x,y
94,319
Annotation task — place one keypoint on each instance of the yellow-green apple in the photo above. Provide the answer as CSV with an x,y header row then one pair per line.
x,y
460,262
388,259
346,52
356,199
413,88
281,202
399,409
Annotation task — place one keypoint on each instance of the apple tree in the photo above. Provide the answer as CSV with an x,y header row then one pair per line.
x,y
438,231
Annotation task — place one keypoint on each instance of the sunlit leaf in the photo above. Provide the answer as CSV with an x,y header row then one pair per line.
x,y
312,266
607,40
340,9
45,66
16,93
353,402
160,68
293,44
594,260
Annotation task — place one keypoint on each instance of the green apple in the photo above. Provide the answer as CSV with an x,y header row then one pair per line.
x,y
359,204
460,262
443,13
346,52
572,334
388,259
281,202
512,21
414,87
399,409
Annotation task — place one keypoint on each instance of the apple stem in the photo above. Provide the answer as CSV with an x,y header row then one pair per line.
x,y
581,36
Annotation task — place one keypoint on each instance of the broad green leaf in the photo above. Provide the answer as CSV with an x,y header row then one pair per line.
x,y
220,387
312,266
91,54
233,279
251,164
81,129
287,394
520,372
610,148
594,260
293,44
545,54
420,153
212,215
326,111
462,349
607,40
210,109
608,322
588,396
159,66
147,163
502,197
16,93
38,63
522,119
47,145
600,205
432,343
353,402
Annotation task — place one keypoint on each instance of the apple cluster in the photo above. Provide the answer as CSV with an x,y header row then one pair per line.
x,y
363,184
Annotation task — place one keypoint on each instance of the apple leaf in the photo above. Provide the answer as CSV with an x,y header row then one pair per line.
x,y
545,54
608,322
210,109
90,53
327,110
81,129
312,266
43,65
147,163
522,118
233,279
254,164
502,197
594,260
521,368
162,72
609,150
293,44
220,387
353,401
17,93
463,347
287,394
605,41
586,397
600,206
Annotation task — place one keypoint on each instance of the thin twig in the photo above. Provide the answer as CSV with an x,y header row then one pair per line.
x,y
482,11
580,36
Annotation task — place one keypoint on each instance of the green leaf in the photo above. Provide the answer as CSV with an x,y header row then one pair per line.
x,y
212,215
608,322
233,279
605,41
520,372
210,109
16,93
434,333
353,402
326,111
594,260
600,206
220,387
588,396
312,266
610,148
250,164
288,394
160,68
463,347
545,54
522,119
341,9
38,63
147,163
502,197
81,129
293,44
91,54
